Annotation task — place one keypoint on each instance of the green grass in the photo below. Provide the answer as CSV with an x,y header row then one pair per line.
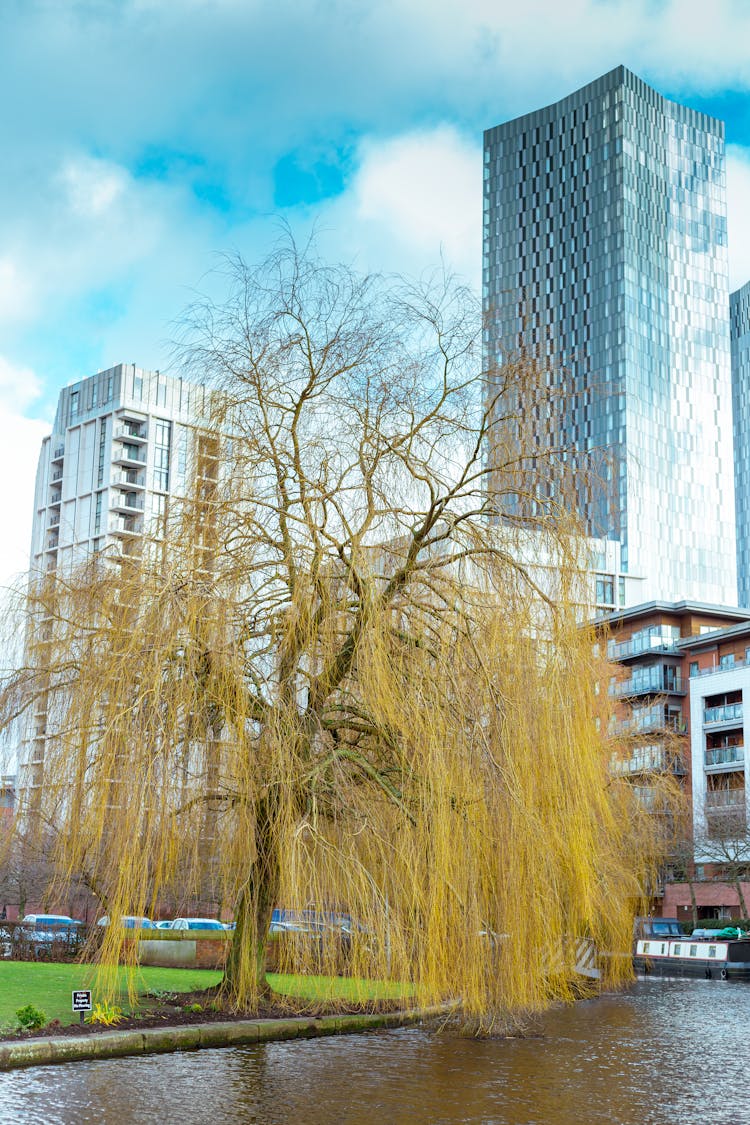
x,y
337,988
49,987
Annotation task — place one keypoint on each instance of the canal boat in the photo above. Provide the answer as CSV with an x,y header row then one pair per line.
x,y
715,959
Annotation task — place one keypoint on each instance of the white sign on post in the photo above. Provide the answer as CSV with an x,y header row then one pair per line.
x,y
82,1001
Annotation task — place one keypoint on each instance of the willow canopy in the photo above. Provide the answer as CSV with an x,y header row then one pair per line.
x,y
355,679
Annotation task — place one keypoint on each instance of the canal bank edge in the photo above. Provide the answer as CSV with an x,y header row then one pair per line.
x,y
229,1033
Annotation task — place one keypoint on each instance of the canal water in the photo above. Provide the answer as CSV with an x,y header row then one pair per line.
x,y
664,1053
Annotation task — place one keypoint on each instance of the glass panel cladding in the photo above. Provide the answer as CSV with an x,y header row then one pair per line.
x,y
162,445
605,257
740,335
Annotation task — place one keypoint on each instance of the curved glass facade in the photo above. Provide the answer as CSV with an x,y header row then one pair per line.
x,y
605,252
740,335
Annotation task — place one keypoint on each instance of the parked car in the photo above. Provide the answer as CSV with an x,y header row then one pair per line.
x,y
197,924
130,922
41,934
165,924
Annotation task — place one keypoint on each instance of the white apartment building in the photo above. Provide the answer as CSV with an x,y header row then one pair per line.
x,y
126,445
121,447
719,671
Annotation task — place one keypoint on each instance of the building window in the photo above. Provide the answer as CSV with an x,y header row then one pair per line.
x,y
162,443
605,589
102,450
693,667
726,661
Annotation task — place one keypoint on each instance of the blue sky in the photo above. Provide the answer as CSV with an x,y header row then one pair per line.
x,y
141,138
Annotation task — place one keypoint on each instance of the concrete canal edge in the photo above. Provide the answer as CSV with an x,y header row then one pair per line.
x,y
227,1033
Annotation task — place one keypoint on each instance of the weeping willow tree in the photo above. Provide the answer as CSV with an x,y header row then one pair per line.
x,y
354,679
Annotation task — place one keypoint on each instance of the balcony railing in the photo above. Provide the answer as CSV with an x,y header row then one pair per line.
x,y
738,662
129,502
57,475
130,477
648,759
725,714
650,721
649,685
125,525
725,799
58,453
725,755
637,645
130,433
130,455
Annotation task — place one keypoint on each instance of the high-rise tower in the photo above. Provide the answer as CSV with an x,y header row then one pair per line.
x,y
122,448
739,304
605,251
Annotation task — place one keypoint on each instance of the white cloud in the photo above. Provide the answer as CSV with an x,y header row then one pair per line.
x,y
19,452
414,199
738,212
93,186
16,292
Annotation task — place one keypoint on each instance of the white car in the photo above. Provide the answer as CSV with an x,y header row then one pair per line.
x,y
130,922
197,924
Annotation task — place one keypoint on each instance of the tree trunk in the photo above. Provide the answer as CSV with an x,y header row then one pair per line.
x,y
741,898
693,903
244,980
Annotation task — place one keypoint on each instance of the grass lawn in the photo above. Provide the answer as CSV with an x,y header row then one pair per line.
x,y
49,987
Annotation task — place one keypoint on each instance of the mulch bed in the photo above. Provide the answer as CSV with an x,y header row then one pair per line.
x,y
176,1013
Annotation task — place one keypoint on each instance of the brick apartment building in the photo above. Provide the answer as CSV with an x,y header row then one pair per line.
x,y
680,672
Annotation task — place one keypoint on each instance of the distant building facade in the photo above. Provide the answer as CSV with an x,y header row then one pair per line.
x,y
121,449
605,257
740,342
127,445
680,687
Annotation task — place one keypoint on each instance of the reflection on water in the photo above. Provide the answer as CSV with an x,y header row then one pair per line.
x,y
666,1053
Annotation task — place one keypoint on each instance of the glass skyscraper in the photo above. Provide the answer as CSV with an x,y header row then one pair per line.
x,y
605,255
739,304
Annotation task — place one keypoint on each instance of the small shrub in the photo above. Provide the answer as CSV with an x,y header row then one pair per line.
x,y
192,1008
106,1014
162,995
30,1017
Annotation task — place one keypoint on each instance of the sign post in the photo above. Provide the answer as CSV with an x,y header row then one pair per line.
x,y
82,1002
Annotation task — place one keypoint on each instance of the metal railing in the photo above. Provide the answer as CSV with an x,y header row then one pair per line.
x,y
725,755
725,799
649,685
724,714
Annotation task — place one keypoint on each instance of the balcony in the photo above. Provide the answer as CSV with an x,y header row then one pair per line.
x,y
641,646
130,477
648,759
127,502
129,431
719,756
54,519
129,454
52,543
657,684
718,799
652,719
728,713
58,453
737,662
126,526
57,475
